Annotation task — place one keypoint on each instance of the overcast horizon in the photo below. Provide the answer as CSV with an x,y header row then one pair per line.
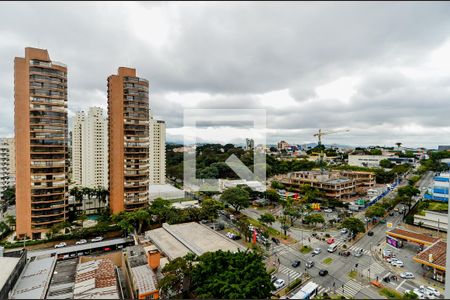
x,y
380,70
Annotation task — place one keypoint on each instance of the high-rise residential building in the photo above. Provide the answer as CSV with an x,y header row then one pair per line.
x,y
90,149
40,94
157,152
282,145
77,150
128,140
249,144
7,164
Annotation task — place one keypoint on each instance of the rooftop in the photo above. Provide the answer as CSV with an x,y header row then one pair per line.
x,y
434,255
144,279
96,279
34,280
8,264
181,239
412,235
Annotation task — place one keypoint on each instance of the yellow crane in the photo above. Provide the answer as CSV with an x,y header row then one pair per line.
x,y
319,136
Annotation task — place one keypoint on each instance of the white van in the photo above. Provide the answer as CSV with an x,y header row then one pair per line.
x,y
332,248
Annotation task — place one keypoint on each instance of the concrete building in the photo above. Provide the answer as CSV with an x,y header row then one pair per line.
x,y
254,185
249,144
369,161
90,150
444,148
432,219
434,256
40,119
128,140
157,152
165,191
440,189
7,164
12,267
282,145
180,239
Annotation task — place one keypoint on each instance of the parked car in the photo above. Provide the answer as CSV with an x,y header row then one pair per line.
x,y
97,239
330,241
429,291
276,241
387,253
279,283
344,253
81,242
370,233
391,213
273,278
323,272
344,230
60,245
296,263
309,264
316,251
328,210
407,275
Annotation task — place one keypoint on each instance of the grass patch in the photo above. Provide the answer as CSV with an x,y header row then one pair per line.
x,y
293,284
271,270
232,231
305,249
327,261
390,293
353,274
436,206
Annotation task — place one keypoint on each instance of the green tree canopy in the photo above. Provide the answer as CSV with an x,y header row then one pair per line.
x,y
353,224
376,210
386,163
277,185
210,208
267,218
314,219
236,197
272,195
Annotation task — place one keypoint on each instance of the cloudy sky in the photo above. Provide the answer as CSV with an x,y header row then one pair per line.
x,y
380,70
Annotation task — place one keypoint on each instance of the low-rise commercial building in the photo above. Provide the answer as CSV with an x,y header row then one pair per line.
x,y
434,256
12,267
368,161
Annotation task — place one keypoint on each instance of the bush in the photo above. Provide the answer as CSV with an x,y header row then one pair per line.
x,y
390,293
293,284
305,249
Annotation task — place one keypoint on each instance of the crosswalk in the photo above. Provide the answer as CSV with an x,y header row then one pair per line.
x,y
321,290
375,269
351,288
292,275
352,248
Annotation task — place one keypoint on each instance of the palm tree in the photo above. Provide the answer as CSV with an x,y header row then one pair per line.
x,y
141,216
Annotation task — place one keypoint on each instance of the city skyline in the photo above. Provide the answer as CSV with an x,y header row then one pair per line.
x,y
385,81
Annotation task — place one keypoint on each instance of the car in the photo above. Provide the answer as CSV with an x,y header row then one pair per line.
x,y
97,239
429,291
309,264
279,283
323,272
330,241
316,251
383,221
296,263
60,245
407,275
387,253
328,210
391,213
81,242
273,278
344,230
276,241
204,221
359,252
366,219
106,249
397,263
370,233
344,253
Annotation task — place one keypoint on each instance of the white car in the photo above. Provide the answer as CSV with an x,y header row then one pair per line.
x,y
317,251
397,263
344,230
81,242
97,239
407,275
328,210
429,291
60,245
279,283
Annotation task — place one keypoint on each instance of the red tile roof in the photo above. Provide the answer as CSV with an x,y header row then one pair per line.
x,y
418,236
438,251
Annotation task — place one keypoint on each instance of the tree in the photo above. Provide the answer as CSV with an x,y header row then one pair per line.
x,y
272,195
353,224
159,210
310,194
376,210
267,218
314,219
210,208
285,224
406,193
293,209
228,275
9,195
410,295
236,197
141,216
386,163
11,221
177,276
277,185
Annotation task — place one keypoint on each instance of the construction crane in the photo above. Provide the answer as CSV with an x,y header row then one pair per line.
x,y
319,136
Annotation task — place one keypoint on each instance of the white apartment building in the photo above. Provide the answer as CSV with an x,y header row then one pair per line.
x,y
7,163
369,161
157,152
90,149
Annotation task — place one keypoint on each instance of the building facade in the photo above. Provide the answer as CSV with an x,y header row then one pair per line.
x,y
282,145
40,95
157,152
440,189
90,149
249,144
128,140
7,164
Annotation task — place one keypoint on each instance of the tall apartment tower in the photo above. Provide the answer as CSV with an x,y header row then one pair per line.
x,y
157,152
77,150
90,149
7,164
40,119
128,140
